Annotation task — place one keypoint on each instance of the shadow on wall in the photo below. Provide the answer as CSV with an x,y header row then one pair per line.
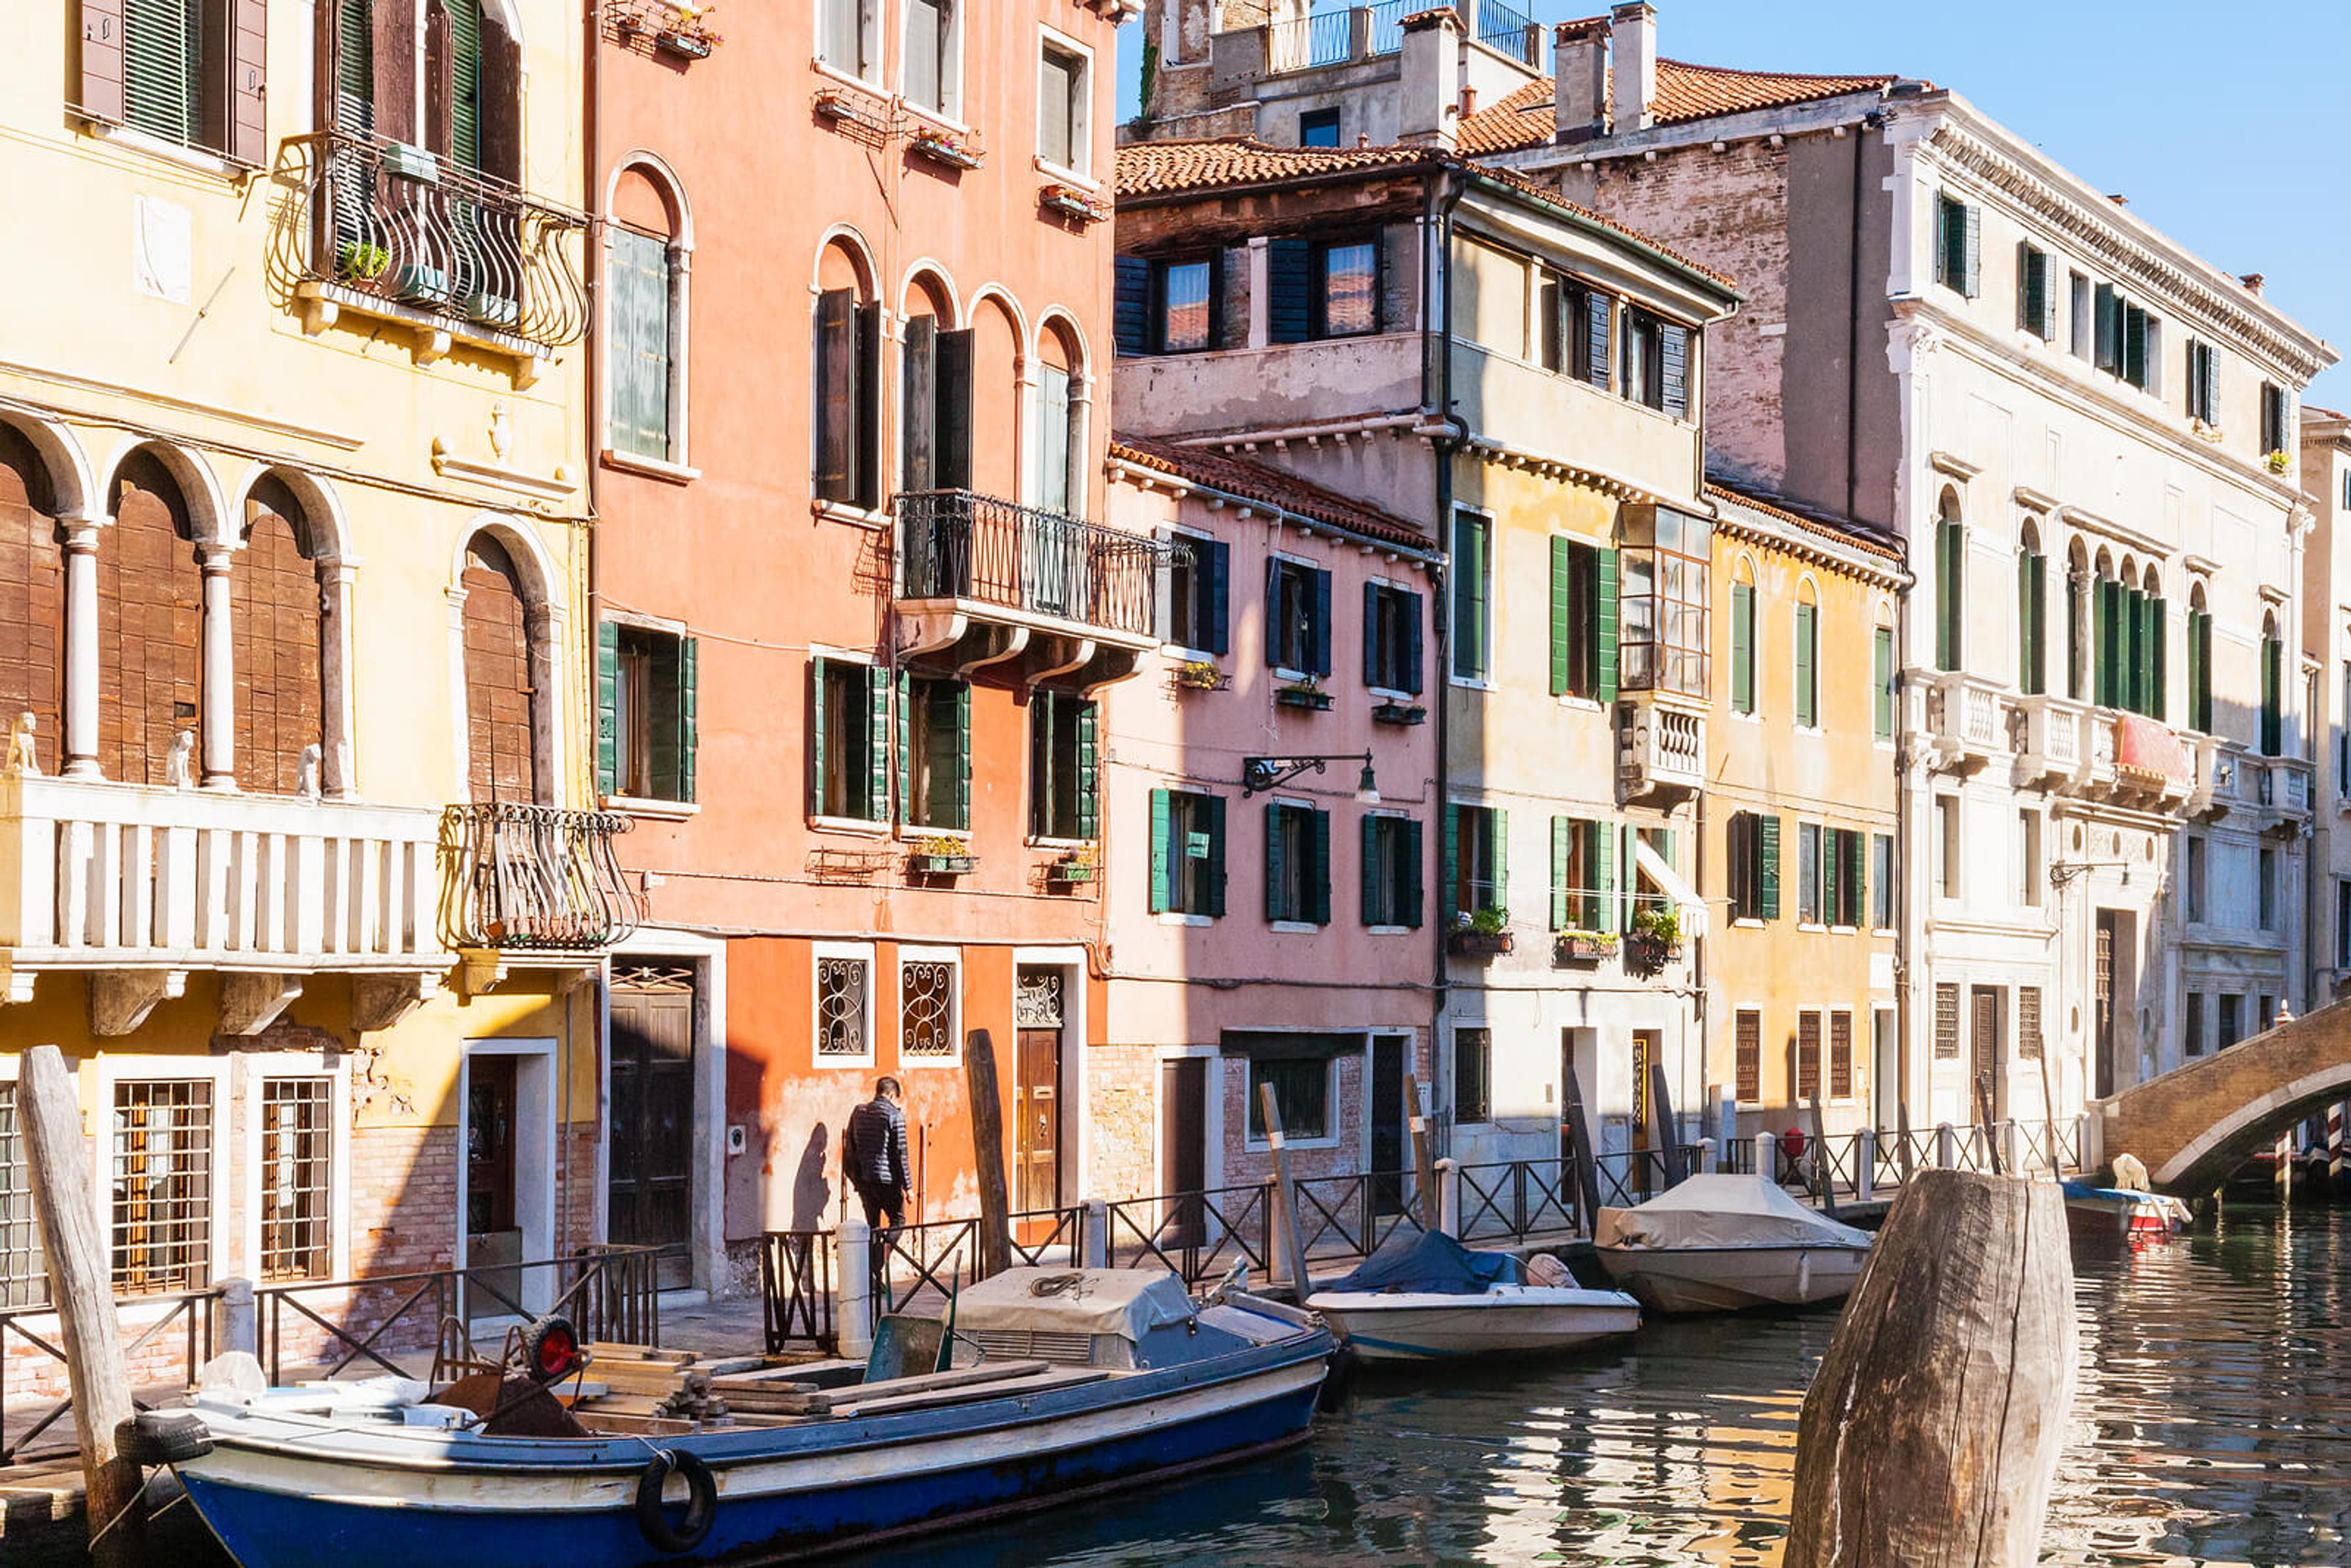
x,y
811,1191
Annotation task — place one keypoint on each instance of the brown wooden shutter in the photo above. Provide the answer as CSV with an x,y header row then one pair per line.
x,y
836,395
102,60
151,630
395,69
918,383
32,607
953,471
248,138
273,620
440,80
500,760
867,488
501,102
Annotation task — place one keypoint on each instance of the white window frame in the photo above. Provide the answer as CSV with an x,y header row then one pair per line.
x,y
678,251
1399,815
953,958
1079,170
869,24
1397,585
1178,533
109,1069
1283,672
871,828
949,112
1486,682
818,952
1256,1143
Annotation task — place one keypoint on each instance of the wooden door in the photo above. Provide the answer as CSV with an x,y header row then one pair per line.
x,y
1183,1147
151,630
274,622
1391,1150
1637,1177
2103,979
32,602
1037,1113
1985,1049
500,760
649,1185
493,1237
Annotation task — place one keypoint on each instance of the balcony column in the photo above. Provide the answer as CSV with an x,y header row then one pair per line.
x,y
218,743
1083,474
543,624
335,671
77,747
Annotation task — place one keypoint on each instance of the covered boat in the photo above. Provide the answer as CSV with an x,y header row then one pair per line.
x,y
2123,1211
1720,1243
1089,1378
1424,1296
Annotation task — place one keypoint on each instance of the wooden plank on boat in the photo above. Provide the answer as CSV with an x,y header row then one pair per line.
x,y
829,1372
769,1377
621,1350
733,1367
1060,1377
988,1153
640,1378
828,1401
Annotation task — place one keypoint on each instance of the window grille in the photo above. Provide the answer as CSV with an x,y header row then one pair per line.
x,y
1751,1057
1946,1022
840,1007
926,1009
162,1171
23,1282
296,1178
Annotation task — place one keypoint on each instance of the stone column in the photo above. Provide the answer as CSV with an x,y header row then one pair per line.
x,y
217,743
77,747
335,781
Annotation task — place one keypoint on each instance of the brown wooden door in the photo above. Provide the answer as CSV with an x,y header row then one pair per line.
x,y
1985,1047
1183,1147
1037,1113
498,691
151,630
1637,1177
1391,1148
649,1184
493,1237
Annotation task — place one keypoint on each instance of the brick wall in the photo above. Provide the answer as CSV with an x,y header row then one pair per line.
x,y
1123,1089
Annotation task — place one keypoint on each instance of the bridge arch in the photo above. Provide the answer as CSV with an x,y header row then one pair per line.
x,y
2198,1123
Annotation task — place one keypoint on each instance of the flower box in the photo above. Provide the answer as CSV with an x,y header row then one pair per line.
x,y
1585,947
1471,943
1399,714
420,285
402,161
1070,201
1071,871
2279,461
925,864
1199,676
686,46
1313,697
944,147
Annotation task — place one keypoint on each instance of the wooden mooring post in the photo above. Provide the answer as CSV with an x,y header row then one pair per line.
x,y
987,1153
73,1249
1424,1157
1285,1197
1579,1148
1931,1437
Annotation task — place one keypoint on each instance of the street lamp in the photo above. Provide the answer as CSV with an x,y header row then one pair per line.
x,y
1260,774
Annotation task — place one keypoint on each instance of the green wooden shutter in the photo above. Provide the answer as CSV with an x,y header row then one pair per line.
x,y
1499,821
1808,681
963,755
2272,672
159,69
1318,639
1599,316
2036,591
816,737
1944,220
465,82
1089,769
1450,893
2102,642
1412,897
689,705
608,707
1562,579
2134,639
877,774
1832,876
1213,809
2204,672
906,747
2195,669
1276,865
1767,866
1318,869
1950,565
2158,703
1612,909
1162,890
1882,658
638,325
1560,829
1743,647
1604,621
1375,873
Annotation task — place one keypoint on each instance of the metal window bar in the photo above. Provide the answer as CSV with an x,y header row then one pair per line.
x,y
163,1178
926,1009
954,544
296,1171
24,1278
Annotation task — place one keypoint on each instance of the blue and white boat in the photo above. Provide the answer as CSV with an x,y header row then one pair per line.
x,y
1113,1375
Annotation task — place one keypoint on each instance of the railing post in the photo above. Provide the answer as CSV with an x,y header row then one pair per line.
x,y
1449,1196
1947,1147
1865,1165
236,1321
854,1280
1706,1156
1359,33
1094,1239
2007,1160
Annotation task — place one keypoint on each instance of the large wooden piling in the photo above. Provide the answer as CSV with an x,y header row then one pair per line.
x,y
73,1249
987,1153
1931,1437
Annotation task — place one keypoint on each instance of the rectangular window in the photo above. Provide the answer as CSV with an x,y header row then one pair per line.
x,y
1392,872
1297,864
2343,923
1808,1056
1946,1023
929,1002
850,741
1881,881
1187,852
2196,852
637,320
2192,1024
1583,885
1473,594
1319,128
1198,591
847,399
1950,592
1298,617
1753,849
1848,873
1346,288
2036,294
1883,676
2268,887
1063,767
2079,315
1655,368
1743,647
297,1139
1808,873
1302,1088
932,49
2266,1015
162,1184
1584,619
646,741
2028,1022
1664,625
2229,1033
1747,1032
2202,400
1063,98
1958,246
1472,1065
2028,858
1391,638
1185,314
935,752
1840,1056
2277,429
844,985
1947,839
1476,878
843,36
24,1278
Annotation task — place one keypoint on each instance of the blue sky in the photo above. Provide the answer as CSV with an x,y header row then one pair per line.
x,y
2215,119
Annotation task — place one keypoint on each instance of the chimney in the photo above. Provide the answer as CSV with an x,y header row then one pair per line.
x,y
2252,282
1580,64
1429,107
1632,80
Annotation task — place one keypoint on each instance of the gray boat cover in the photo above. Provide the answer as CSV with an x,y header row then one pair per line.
x,y
1723,1211
1429,1262
1129,1302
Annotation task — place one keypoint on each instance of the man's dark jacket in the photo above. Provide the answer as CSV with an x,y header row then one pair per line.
x,y
873,1148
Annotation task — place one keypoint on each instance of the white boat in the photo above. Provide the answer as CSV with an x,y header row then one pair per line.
x,y
1722,1243
1426,1297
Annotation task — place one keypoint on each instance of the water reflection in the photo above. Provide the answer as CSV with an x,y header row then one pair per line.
x,y
2211,1427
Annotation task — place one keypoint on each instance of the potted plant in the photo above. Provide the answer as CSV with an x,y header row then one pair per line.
x,y
1479,932
1656,938
1397,713
1306,692
941,857
420,285
359,261
941,145
1580,946
1074,868
1199,676
2279,461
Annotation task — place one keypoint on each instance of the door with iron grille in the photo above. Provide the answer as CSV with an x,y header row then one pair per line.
x,y
2103,973
649,1185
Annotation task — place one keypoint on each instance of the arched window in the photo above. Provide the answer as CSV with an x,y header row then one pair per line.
x,y
2199,661
2032,613
848,380
1058,430
646,251
2107,688
995,364
150,628
1950,582
935,393
275,624
2272,687
1885,676
501,717
1808,656
32,600
2078,644
1742,636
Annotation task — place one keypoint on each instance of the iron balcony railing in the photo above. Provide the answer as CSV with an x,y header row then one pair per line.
x,y
535,877
382,220
953,544
1509,31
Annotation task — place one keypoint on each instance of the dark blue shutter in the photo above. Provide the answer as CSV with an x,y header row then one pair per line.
x,y
1321,639
1674,350
1412,644
1212,818
1219,565
1318,868
1373,675
1276,865
1411,896
1598,312
1131,313
1289,291
1376,874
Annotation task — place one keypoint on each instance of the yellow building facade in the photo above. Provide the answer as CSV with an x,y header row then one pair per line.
x,y
294,863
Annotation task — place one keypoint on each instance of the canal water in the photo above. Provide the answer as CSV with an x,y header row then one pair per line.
x,y
2212,1426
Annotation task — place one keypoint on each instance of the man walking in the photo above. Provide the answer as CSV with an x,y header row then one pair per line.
x,y
873,1155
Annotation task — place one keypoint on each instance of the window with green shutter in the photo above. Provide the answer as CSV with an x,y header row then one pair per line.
x,y
1476,873
1883,674
465,82
934,752
1391,872
1473,596
644,713
2272,691
1958,246
162,75
1187,852
1297,864
2032,621
1881,881
850,740
1808,665
2036,293
1064,767
2199,670
1766,868
1753,846
1743,647
1583,890
1810,867
638,326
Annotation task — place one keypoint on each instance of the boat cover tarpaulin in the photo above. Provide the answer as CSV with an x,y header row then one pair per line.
x,y
1723,1211
1429,1262
1129,1302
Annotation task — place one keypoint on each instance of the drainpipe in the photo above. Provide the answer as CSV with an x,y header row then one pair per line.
x,y
1444,195
591,101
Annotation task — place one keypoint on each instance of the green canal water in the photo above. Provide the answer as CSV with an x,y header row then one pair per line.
x,y
2212,1426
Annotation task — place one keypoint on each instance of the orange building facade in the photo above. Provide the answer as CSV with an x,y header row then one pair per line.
x,y
855,596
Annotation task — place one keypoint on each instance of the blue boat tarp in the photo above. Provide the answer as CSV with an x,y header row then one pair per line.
x,y
1430,1262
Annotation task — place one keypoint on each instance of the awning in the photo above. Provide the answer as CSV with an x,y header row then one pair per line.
x,y
1657,869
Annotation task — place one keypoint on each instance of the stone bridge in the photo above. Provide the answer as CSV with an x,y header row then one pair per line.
x,y
2198,1123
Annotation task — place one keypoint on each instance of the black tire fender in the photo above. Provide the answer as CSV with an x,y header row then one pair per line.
x,y
153,1439
701,1501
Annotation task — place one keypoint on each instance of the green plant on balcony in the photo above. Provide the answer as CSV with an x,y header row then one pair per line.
x,y
1479,932
1660,923
2279,461
1199,676
1306,692
941,856
1078,866
358,261
1574,944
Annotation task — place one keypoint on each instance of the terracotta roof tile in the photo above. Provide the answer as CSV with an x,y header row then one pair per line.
x,y
1260,482
1855,536
1526,117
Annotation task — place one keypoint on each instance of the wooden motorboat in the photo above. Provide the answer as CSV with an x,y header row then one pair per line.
x,y
1719,1243
1423,1296
1090,1378
2126,1212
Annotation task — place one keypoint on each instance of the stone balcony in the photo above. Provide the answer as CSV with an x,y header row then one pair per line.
x,y
135,886
1968,719
1660,747
2282,788
2107,755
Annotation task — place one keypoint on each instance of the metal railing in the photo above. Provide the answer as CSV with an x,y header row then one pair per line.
x,y
1354,1213
1198,1234
796,1288
954,543
370,219
177,1341
943,1253
1516,1197
1508,31
534,877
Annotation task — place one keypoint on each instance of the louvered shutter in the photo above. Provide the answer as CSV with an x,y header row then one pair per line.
x,y
393,54
906,748
2032,611
1611,909
1450,893
1317,869
1549,328
159,68
2272,669
951,461
1320,640
866,435
1374,875
1808,690
877,774
2195,669
1161,896
2204,672
1277,865
2109,605
1858,877
1767,867
1833,872
248,137
2108,328
1413,654
1604,621
1562,579
639,327
1499,823
1130,307
2158,697
689,704
608,707
2135,345
1289,290
1560,826
2026,315
1373,675
816,737
465,81
1599,311
1674,354
102,62
1743,647
1213,813
1882,656
837,395
1944,219
1951,593
918,376
1971,258
1089,770
1220,567
1412,895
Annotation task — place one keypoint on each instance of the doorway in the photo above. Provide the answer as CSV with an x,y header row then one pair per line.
x,y
2103,980
1986,1051
1037,1092
506,1175
1886,1070
649,1182
1184,1146
1391,1150
1644,1056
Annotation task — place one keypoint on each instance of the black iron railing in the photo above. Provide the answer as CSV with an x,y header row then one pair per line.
x,y
534,877
954,544
796,1288
1198,1234
165,1351
375,219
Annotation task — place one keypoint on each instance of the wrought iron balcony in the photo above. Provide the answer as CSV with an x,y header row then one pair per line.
x,y
389,230
535,879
